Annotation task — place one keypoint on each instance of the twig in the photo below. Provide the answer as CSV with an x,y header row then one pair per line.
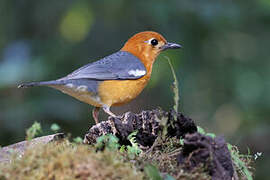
x,y
175,86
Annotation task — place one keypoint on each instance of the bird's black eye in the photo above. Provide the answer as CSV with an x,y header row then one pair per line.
x,y
154,42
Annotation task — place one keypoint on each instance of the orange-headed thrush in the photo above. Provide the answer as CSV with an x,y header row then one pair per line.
x,y
115,79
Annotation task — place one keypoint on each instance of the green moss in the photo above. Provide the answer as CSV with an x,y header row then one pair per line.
x,y
242,163
67,161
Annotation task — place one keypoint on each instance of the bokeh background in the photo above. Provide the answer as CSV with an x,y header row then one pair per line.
x,y
223,69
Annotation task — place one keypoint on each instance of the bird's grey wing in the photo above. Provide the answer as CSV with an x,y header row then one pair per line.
x,y
121,65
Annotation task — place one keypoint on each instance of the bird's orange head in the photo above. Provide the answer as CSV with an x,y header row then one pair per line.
x,y
146,46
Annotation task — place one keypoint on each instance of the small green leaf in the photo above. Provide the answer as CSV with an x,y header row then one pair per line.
x,y
152,172
212,135
131,135
169,177
78,140
122,149
33,131
134,149
55,127
108,141
200,130
181,141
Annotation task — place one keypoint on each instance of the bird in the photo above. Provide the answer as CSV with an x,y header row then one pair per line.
x,y
115,79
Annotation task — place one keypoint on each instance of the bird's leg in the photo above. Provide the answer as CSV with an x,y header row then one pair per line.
x,y
107,110
95,113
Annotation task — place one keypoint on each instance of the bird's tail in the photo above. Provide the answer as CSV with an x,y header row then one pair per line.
x,y
43,83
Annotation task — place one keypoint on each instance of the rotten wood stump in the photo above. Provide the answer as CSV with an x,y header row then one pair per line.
x,y
198,149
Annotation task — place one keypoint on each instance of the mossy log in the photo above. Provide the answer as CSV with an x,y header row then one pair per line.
x,y
197,150
20,147
158,134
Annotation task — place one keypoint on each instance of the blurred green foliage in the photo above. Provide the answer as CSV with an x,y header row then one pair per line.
x,y
223,69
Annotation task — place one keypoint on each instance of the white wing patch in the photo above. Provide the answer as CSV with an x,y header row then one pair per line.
x,y
137,72
82,88
69,85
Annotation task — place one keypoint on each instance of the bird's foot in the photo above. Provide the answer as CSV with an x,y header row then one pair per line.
x,y
95,113
107,110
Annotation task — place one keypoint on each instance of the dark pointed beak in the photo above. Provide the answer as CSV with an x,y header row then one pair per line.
x,y
171,46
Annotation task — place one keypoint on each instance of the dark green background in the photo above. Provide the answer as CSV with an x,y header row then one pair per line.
x,y
223,69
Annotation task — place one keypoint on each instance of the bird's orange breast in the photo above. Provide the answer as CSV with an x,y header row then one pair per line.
x,y
118,92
